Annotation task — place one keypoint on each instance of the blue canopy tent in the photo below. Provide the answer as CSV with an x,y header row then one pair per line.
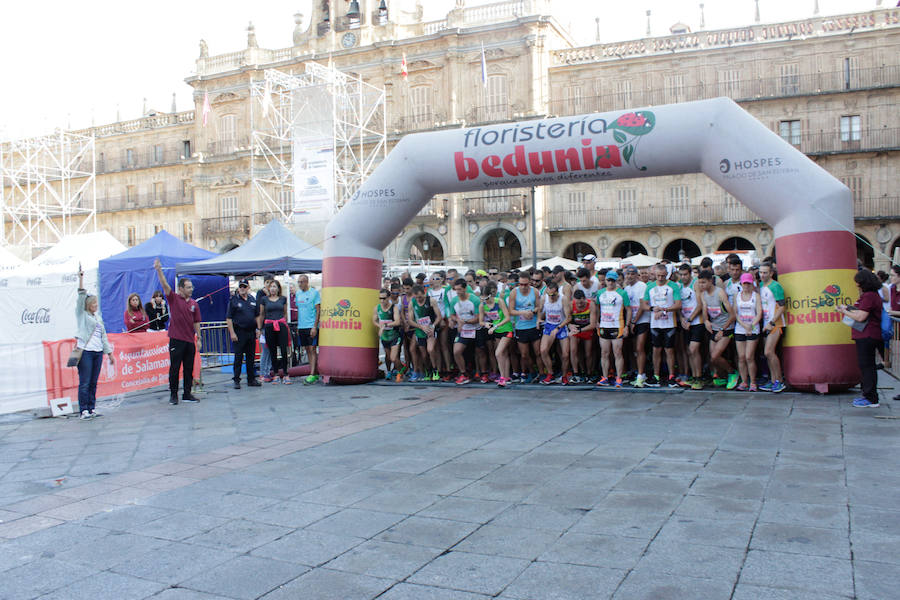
x,y
132,271
274,249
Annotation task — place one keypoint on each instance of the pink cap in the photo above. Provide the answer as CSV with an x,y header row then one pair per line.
x,y
747,278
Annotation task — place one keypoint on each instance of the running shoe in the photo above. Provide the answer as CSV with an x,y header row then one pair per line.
x,y
639,381
413,377
515,378
310,379
548,379
767,387
485,378
697,384
493,377
858,403
276,379
566,379
753,387
603,382
267,379
95,414
435,375
733,379
652,381
85,415
778,387
718,382
741,387
673,382
618,383
447,377
399,376
286,380
502,382
462,380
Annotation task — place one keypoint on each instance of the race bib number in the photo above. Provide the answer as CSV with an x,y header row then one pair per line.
x,y
424,321
467,331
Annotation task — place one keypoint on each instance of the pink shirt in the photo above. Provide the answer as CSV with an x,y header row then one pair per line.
x,y
182,316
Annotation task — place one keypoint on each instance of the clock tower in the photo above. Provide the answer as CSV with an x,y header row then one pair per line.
x,y
345,24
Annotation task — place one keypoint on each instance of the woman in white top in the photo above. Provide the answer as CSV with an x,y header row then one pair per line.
x,y
92,340
748,308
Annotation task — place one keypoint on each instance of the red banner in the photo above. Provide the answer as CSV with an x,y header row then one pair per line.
x,y
142,362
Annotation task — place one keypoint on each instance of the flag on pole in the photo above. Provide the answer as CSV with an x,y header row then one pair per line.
x,y
206,108
267,98
404,71
483,67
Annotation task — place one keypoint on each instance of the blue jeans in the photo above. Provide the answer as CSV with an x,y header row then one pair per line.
x,y
265,360
88,374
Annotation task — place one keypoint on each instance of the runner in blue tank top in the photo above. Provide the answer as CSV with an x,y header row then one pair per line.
x,y
524,305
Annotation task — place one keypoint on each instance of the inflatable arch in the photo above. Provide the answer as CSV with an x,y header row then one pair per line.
x,y
809,210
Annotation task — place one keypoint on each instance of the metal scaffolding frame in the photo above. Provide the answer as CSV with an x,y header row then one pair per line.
x,y
47,188
358,136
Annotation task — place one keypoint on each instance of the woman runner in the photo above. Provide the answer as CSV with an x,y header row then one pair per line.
x,y
581,335
495,317
748,309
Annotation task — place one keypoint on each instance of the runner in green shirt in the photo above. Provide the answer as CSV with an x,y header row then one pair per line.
x,y
386,317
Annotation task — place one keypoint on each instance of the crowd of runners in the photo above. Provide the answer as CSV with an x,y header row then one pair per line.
x,y
666,325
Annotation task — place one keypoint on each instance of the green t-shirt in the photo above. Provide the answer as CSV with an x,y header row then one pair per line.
x,y
495,314
387,316
423,314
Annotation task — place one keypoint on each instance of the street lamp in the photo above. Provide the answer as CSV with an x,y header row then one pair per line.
x,y
501,240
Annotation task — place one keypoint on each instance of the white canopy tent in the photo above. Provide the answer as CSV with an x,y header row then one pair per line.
x,y
640,261
567,264
37,303
8,260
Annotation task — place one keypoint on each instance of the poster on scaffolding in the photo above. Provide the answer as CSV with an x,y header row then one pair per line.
x,y
313,155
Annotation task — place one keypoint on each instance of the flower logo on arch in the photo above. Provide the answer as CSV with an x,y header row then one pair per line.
x,y
344,304
628,130
833,290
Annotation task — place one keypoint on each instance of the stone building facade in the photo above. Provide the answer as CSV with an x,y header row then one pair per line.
x,y
829,85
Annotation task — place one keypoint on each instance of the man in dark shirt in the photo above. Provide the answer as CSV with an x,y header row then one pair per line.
x,y
184,333
242,327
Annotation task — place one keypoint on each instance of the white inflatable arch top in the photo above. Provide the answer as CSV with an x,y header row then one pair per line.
x,y
809,210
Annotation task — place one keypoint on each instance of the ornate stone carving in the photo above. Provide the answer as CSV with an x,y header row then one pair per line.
x,y
251,36
298,29
204,49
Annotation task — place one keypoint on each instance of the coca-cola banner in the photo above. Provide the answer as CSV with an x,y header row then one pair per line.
x,y
142,362
36,313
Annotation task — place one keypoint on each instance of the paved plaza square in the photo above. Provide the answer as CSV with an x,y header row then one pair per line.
x,y
442,492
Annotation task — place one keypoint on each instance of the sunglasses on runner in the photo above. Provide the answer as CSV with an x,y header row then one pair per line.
x,y
537,281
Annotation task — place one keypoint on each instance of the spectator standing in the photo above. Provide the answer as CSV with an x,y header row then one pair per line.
x,y
157,312
265,360
91,339
241,320
273,313
135,318
184,333
864,318
308,304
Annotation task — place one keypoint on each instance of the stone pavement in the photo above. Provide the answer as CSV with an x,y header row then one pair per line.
x,y
436,492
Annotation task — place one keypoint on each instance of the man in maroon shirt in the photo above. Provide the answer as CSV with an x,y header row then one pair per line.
x,y
184,333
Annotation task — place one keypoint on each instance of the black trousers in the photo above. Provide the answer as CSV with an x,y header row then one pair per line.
x,y
181,354
865,358
245,349
275,340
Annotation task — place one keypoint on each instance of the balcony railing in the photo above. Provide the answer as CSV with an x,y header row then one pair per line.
x,y
700,213
435,210
509,205
139,201
156,121
868,140
489,113
140,160
744,90
220,225
880,207
222,147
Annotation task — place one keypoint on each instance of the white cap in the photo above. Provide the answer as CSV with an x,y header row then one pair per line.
x,y
589,257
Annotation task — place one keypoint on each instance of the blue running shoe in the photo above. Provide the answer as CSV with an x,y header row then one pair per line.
x,y
778,387
864,403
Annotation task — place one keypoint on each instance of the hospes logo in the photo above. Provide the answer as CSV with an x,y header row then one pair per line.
x,y
724,165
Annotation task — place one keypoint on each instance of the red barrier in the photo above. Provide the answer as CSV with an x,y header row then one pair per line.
x,y
142,362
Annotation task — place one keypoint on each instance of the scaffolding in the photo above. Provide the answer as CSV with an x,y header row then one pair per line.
x,y
47,189
321,110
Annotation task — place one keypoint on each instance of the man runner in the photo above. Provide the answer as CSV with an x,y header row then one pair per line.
x,y
523,303
615,317
386,317
692,331
424,319
556,315
640,322
662,299
308,309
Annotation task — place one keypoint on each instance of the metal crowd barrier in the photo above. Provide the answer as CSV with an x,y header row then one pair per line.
x,y
215,345
894,367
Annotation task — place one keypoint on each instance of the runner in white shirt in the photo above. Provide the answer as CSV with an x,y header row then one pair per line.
x,y
692,332
640,322
663,299
587,283
615,315
748,309
556,314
